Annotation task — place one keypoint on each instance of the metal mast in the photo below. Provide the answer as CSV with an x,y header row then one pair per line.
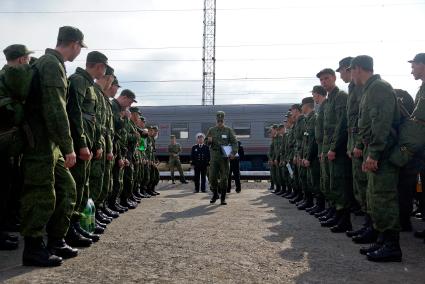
x,y
208,58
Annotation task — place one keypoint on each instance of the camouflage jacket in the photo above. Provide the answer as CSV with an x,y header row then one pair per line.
x,y
378,114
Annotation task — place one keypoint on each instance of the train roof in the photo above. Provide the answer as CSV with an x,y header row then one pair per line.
x,y
242,108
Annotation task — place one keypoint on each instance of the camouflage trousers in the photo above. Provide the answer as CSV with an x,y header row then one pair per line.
x,y
283,174
81,173
359,182
117,183
313,177
128,181
218,175
49,195
106,184
97,170
175,163
275,175
324,178
382,197
340,182
302,179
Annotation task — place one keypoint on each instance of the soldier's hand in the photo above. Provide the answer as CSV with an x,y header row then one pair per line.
x,y
306,163
270,162
126,162
232,157
349,154
371,164
321,157
275,162
84,154
110,156
331,155
357,153
70,160
210,139
99,154
120,163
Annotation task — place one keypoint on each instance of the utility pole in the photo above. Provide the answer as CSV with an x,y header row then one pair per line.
x,y
208,58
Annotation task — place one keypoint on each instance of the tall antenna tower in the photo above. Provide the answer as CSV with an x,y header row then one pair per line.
x,y
208,58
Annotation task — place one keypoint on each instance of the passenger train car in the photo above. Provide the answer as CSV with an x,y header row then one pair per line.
x,y
250,123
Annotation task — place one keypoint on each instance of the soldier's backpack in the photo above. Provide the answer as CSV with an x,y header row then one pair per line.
x,y
15,85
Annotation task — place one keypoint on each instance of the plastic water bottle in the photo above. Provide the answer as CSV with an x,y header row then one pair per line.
x,y
87,221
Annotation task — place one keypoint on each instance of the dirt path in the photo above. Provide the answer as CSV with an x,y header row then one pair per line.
x,y
179,237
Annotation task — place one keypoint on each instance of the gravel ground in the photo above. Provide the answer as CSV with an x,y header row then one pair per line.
x,y
178,237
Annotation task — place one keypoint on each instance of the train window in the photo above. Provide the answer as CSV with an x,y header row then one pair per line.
x,y
267,125
242,129
205,126
180,130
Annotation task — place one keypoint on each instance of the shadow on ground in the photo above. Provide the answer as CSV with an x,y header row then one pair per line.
x,y
334,258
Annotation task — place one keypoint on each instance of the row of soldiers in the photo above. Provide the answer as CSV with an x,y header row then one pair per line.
x,y
81,142
361,152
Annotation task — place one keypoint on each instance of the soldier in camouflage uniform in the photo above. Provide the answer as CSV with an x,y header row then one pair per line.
x,y
279,158
378,120
284,161
100,169
17,56
152,161
366,234
295,145
289,156
49,189
334,150
119,107
319,97
272,157
81,106
309,157
219,136
174,149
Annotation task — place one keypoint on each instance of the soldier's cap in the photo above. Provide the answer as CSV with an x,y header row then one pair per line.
x,y
129,94
109,70
326,71
274,126
344,63
142,118
71,34
280,126
307,100
97,57
220,115
296,106
135,110
285,120
172,136
155,127
319,90
419,58
115,82
15,51
288,114
363,61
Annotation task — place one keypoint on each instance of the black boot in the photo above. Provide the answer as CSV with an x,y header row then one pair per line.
x,y
333,220
330,214
99,229
353,233
60,248
322,213
84,233
390,251
102,217
8,243
373,247
36,254
126,203
344,223
308,202
110,213
214,198
367,237
75,239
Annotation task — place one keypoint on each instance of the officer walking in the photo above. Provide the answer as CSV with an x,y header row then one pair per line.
x,y
200,157
174,149
219,136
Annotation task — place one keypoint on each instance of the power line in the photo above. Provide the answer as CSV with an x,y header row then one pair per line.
x,y
218,9
221,79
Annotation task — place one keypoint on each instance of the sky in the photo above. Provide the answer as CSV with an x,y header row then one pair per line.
x,y
267,51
